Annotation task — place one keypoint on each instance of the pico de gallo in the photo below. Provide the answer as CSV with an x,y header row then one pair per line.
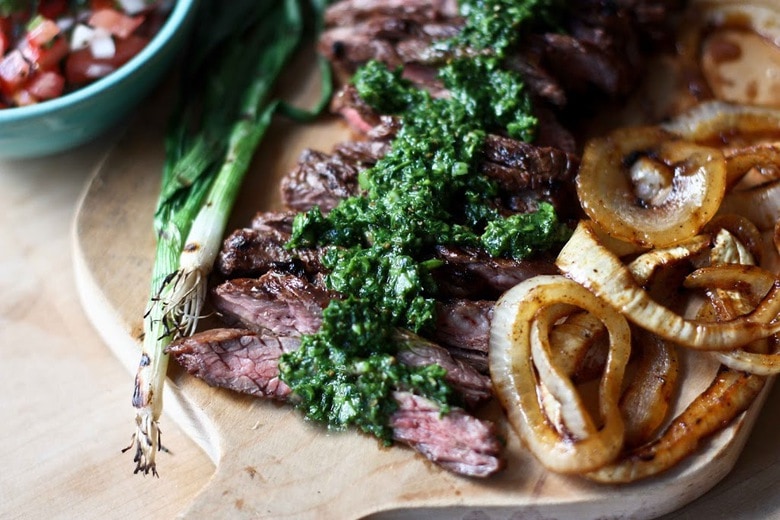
x,y
49,48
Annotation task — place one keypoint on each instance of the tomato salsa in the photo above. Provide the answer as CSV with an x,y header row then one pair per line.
x,y
51,47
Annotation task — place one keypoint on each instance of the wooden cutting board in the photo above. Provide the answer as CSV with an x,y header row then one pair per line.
x,y
269,462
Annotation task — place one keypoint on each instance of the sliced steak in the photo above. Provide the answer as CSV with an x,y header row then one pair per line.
x,y
247,362
473,386
394,32
277,302
361,153
456,441
516,165
465,325
463,328
248,252
319,179
240,360
471,273
349,12
288,305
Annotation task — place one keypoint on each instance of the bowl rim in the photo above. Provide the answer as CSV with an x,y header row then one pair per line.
x,y
179,13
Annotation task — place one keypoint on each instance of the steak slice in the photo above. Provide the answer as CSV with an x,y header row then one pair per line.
x,y
456,441
474,386
349,12
523,165
319,179
237,359
463,327
261,248
284,304
280,303
473,274
248,362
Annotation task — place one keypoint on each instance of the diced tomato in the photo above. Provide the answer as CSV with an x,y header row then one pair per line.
x,y
52,8
102,4
46,85
6,26
115,22
46,57
5,43
81,67
42,31
14,71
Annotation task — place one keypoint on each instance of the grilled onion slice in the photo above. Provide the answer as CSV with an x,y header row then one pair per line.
x,y
647,186
760,204
730,394
585,260
647,399
519,346
730,125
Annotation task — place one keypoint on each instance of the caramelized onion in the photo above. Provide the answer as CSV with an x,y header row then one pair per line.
x,y
763,159
742,229
760,204
576,341
519,322
726,125
730,394
589,263
699,193
646,186
644,266
752,282
646,401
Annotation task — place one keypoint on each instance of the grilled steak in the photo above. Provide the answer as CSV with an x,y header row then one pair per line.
x,y
396,32
261,248
237,359
283,304
320,180
463,327
248,362
280,303
473,274
456,441
526,175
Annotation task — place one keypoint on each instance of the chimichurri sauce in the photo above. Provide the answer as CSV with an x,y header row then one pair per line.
x,y
425,191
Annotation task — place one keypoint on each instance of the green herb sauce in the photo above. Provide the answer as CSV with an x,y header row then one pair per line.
x,y
425,191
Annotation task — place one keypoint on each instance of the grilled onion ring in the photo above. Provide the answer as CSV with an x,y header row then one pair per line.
x,y
752,281
742,230
764,159
518,320
589,263
646,186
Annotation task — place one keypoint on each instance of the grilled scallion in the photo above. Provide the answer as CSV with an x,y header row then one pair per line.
x,y
224,107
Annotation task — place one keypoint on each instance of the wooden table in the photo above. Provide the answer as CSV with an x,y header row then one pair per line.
x,y
65,400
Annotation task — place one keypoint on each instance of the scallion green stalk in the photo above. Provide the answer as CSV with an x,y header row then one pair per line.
x,y
209,148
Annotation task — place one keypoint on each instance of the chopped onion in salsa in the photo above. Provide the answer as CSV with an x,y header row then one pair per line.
x,y
49,48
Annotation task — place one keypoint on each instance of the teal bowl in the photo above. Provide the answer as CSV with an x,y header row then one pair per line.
x,y
84,114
